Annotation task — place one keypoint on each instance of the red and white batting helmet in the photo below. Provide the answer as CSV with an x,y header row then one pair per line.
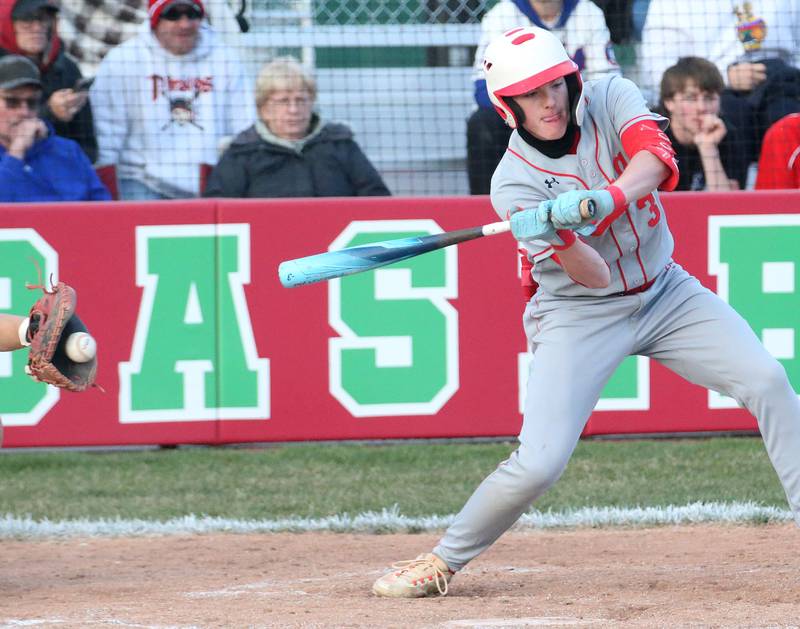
x,y
523,59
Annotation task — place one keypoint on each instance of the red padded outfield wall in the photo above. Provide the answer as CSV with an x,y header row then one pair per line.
x,y
199,342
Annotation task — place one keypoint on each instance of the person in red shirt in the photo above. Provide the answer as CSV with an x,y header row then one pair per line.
x,y
779,165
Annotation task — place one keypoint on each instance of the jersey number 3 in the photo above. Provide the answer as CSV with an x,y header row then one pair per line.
x,y
649,203
645,203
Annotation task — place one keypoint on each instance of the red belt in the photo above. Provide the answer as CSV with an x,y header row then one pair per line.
x,y
643,287
638,289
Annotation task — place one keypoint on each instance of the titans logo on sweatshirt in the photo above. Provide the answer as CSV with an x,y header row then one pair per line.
x,y
182,97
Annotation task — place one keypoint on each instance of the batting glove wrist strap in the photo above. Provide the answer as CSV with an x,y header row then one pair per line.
x,y
567,237
609,204
618,197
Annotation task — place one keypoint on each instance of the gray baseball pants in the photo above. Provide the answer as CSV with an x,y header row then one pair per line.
x,y
577,343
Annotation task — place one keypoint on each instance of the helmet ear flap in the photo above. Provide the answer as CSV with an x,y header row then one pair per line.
x,y
510,111
516,110
574,94
504,115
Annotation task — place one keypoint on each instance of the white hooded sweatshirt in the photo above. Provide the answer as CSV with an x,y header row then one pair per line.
x,y
159,116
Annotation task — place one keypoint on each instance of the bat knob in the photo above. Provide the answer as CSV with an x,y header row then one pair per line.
x,y
588,208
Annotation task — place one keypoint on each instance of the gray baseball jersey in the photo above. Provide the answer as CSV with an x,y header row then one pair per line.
x,y
638,245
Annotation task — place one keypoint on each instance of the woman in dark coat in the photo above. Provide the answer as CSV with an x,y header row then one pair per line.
x,y
28,28
289,151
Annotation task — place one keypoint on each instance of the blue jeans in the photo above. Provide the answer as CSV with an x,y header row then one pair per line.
x,y
134,190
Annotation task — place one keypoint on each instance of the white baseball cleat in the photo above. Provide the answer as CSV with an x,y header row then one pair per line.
x,y
426,575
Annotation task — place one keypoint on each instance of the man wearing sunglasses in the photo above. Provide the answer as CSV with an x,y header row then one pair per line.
x,y
165,100
30,28
35,164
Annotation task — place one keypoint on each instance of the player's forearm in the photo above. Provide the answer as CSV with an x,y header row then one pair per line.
x,y
644,173
584,265
10,332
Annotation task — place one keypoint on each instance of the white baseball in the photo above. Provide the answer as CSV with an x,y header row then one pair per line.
x,y
80,347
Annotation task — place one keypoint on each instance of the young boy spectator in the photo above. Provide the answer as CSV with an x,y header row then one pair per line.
x,y
28,27
710,151
36,164
779,166
581,27
290,151
165,100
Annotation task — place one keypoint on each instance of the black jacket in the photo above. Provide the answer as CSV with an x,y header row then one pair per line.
x,y
62,74
330,164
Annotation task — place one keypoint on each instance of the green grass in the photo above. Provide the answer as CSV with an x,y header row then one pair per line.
x,y
322,480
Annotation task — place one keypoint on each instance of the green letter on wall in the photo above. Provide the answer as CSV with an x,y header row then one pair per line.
x,y
755,259
194,355
397,350
24,402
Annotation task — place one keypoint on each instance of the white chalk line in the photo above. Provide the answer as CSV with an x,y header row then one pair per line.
x,y
514,569
273,587
539,621
14,623
390,520
282,587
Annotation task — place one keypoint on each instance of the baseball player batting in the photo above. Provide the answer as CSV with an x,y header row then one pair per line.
x,y
608,288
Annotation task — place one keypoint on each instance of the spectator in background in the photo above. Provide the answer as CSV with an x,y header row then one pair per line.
x,y
165,101
619,19
95,27
289,151
35,164
779,166
755,45
638,16
581,27
28,27
708,148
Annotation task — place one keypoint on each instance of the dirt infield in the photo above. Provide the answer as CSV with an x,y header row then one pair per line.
x,y
692,576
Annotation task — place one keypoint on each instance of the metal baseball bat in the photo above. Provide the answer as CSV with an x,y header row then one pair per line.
x,y
332,264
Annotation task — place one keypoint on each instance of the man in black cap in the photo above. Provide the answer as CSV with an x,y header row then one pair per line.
x,y
36,164
29,28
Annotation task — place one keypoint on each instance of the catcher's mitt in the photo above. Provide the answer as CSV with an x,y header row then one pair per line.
x,y
52,320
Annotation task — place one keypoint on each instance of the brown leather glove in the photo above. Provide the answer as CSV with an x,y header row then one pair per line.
x,y
52,321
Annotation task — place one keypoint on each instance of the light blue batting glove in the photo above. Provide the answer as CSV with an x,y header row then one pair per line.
x,y
533,224
566,214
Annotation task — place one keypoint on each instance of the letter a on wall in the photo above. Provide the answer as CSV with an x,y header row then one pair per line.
x,y
194,355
